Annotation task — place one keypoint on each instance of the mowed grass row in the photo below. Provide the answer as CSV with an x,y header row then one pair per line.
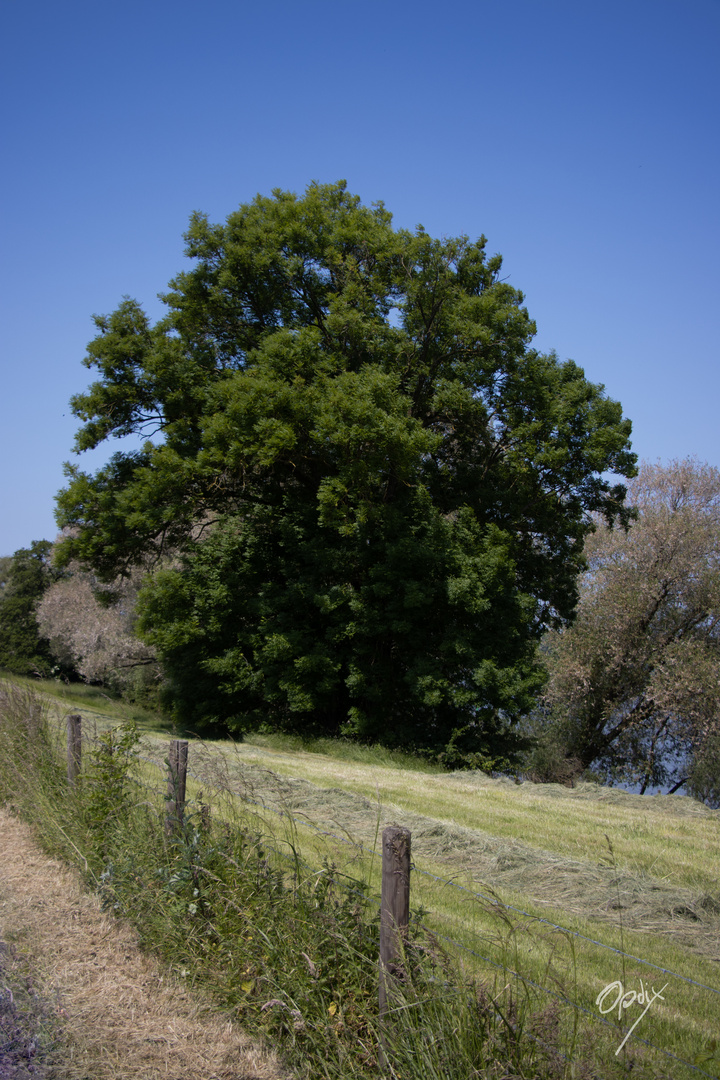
x,y
671,839
483,927
485,920
664,843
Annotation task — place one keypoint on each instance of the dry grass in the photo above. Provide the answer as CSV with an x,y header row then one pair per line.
x,y
121,1017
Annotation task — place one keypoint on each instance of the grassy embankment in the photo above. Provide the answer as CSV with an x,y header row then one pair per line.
x,y
637,874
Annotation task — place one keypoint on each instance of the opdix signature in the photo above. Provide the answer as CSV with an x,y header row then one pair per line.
x,y
624,999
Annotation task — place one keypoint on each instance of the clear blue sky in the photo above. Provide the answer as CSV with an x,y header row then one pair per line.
x,y
581,138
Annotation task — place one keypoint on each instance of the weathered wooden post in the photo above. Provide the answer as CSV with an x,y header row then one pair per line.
x,y
177,775
394,913
74,747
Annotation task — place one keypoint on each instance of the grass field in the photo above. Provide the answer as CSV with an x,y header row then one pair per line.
x,y
569,888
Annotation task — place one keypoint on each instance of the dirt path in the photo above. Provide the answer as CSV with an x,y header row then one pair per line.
x,y
120,1018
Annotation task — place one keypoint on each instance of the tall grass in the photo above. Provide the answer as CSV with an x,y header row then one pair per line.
x,y
289,949
98,700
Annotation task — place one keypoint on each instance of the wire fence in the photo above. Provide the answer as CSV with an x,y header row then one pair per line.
x,y
623,999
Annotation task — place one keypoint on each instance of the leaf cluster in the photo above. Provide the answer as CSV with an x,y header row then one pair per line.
x,y
24,650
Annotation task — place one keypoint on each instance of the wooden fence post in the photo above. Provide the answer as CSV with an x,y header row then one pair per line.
x,y
394,913
177,775
74,747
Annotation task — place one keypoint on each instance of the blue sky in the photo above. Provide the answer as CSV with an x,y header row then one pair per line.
x,y
580,138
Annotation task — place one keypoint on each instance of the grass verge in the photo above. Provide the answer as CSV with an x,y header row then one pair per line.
x,y
283,932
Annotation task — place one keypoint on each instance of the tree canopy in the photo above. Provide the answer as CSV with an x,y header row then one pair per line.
x,y
24,577
366,494
634,686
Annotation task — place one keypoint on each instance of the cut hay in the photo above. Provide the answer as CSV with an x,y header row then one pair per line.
x,y
598,889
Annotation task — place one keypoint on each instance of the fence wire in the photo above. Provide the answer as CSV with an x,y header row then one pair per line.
x,y
454,884
563,999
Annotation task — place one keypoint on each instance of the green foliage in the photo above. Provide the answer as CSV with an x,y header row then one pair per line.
x,y
549,756
25,578
106,776
374,490
6,562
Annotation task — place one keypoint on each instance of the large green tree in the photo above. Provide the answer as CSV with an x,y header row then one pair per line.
x,y
372,491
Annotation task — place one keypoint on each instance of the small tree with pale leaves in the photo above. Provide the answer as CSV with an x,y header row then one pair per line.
x,y
91,626
634,686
